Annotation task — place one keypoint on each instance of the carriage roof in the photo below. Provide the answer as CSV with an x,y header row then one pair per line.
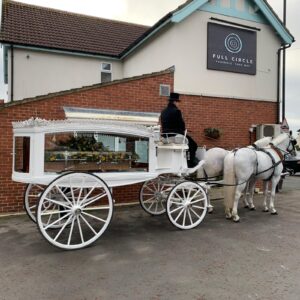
x,y
106,121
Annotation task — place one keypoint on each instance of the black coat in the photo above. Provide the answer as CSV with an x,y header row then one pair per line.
x,y
171,120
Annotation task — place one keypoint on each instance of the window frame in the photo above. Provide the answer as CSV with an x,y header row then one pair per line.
x,y
102,70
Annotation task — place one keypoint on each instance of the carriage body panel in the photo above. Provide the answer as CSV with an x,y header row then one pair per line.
x,y
122,153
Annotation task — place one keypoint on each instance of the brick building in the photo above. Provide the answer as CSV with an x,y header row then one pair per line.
x,y
224,58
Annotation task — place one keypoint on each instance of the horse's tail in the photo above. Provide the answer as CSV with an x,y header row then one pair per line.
x,y
229,181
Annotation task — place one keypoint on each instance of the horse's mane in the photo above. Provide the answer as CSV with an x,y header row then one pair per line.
x,y
279,139
263,142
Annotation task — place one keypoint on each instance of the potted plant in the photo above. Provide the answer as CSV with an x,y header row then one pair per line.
x,y
213,133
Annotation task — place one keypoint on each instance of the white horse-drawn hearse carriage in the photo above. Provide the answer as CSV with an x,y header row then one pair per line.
x,y
71,167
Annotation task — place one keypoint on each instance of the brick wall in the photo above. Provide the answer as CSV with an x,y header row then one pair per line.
x,y
234,117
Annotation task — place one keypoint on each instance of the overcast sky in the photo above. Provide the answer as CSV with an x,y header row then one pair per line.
x,y
149,11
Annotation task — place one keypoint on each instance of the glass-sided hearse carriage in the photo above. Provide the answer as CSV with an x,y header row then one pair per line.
x,y
72,165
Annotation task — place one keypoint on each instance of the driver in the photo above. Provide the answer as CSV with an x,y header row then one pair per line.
x,y
172,122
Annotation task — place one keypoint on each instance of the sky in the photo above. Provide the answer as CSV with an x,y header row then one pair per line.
x,y
147,12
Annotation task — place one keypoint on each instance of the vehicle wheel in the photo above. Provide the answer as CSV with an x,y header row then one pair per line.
x,y
31,197
81,204
153,195
187,205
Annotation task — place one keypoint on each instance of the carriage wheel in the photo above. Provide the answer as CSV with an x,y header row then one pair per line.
x,y
31,197
187,205
153,195
81,203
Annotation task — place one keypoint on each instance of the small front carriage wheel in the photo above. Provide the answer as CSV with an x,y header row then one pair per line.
x,y
153,195
31,197
82,205
187,205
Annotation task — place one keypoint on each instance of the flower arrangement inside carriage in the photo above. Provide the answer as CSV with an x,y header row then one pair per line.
x,y
90,151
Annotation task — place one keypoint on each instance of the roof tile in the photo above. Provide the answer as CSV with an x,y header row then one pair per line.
x,y
44,27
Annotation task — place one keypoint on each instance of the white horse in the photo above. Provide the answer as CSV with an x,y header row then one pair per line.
x,y
249,164
213,166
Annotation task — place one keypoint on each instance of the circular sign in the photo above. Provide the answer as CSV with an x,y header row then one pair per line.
x,y
233,43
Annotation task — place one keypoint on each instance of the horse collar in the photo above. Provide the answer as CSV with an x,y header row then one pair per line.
x,y
279,153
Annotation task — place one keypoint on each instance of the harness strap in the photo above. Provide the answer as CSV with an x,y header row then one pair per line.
x,y
274,164
277,151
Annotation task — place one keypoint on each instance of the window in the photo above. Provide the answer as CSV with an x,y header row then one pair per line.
x,y
22,154
94,151
106,72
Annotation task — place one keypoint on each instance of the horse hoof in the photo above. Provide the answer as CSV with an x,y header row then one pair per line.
x,y
246,206
252,208
265,210
274,213
228,217
210,210
236,219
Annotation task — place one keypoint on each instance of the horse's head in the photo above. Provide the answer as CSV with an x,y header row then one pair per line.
x,y
285,143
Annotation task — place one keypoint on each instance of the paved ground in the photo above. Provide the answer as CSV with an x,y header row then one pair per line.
x,y
143,257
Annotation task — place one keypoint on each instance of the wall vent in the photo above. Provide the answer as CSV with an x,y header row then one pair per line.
x,y
164,90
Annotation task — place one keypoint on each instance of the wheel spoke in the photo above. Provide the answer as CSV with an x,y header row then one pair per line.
x,y
71,231
196,193
96,208
176,209
197,200
190,217
80,190
92,200
184,216
40,187
72,192
183,193
58,220
54,212
179,197
32,207
62,229
200,207
180,213
151,205
156,206
80,230
57,202
150,199
195,212
33,196
149,189
63,194
88,224
94,217
87,195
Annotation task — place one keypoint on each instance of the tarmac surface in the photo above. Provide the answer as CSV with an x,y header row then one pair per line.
x,y
144,257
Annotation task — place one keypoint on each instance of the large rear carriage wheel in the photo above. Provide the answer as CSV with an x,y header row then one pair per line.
x,y
187,205
82,205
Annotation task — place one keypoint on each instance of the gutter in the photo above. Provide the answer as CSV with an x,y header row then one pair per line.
x,y
11,73
282,48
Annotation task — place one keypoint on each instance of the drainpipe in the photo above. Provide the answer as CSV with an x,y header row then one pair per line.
x,y
282,48
12,73
283,65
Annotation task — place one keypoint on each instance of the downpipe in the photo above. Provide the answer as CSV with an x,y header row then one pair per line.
x,y
278,81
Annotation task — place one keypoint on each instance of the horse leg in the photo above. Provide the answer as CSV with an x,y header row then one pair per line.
x,y
275,180
238,193
246,196
251,187
209,206
266,192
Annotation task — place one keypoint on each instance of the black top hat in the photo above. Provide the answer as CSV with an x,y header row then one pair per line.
x,y
174,97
